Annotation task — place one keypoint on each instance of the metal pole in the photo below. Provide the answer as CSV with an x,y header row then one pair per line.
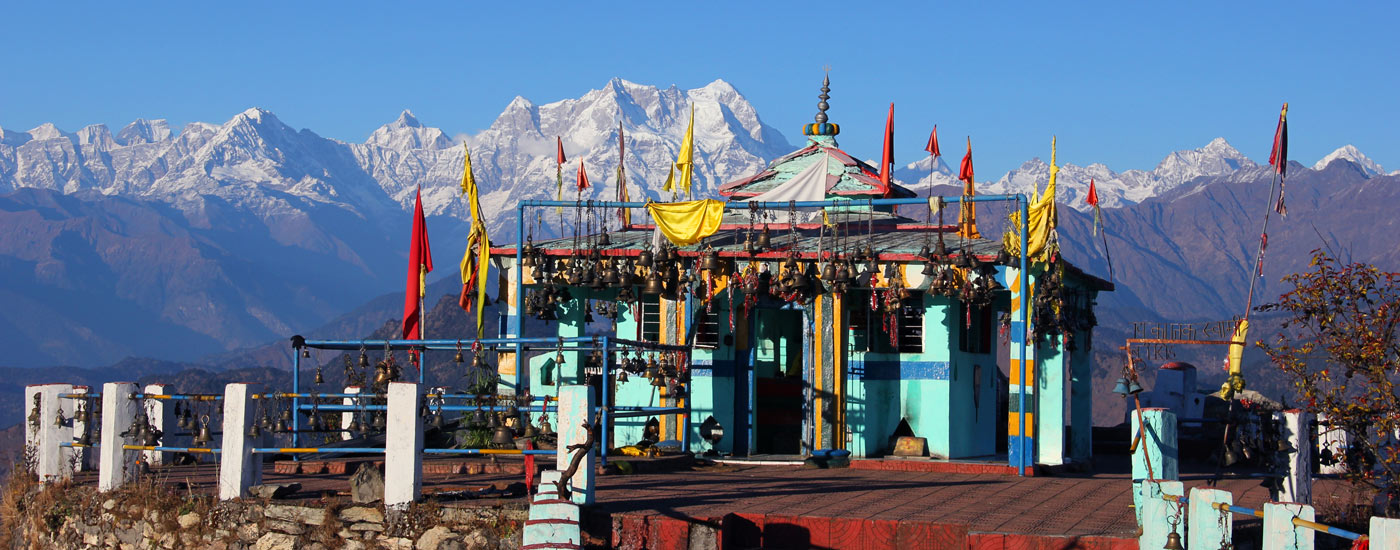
x,y
516,324
296,389
1025,331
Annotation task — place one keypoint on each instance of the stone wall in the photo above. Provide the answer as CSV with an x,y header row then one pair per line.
x,y
69,516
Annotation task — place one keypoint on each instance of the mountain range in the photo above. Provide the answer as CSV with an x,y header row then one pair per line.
x,y
195,244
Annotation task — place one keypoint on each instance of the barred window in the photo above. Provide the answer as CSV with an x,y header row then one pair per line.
x,y
911,324
707,327
868,330
651,318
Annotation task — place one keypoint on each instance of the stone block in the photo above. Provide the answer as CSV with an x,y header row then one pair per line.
x,y
911,446
361,514
296,514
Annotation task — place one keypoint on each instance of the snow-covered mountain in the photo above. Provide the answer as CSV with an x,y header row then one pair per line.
x,y
1114,188
1353,155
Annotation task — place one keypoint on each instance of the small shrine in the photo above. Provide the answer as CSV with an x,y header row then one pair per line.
x,y
809,328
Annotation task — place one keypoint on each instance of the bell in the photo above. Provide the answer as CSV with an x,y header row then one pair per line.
x,y
529,260
545,428
513,411
86,438
204,435
611,276
379,421
478,418
305,353
1121,387
281,426
319,379
658,381
713,263
364,359
530,431
924,252
1173,541
765,239
940,250
654,285
503,436
559,358
1134,388
622,377
1004,256
151,437
604,240
254,430
930,268
493,421
314,422
459,359
381,375
437,421
644,258
829,272
628,275
58,420
965,260
424,411
286,415
1229,457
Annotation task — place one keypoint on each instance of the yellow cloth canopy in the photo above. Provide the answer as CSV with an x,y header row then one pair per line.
x,y
685,223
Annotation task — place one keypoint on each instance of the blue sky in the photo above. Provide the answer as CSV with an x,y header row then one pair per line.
x,y
1121,83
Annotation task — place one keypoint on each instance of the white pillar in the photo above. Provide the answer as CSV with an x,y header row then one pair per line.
x,y
1334,439
52,462
1279,531
1297,481
403,446
116,466
162,415
348,416
84,458
575,409
1384,532
1209,526
238,467
1158,514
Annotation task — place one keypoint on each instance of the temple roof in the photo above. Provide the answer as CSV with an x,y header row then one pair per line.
x,y
847,176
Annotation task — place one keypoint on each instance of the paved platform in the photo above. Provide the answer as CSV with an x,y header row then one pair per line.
x,y
751,506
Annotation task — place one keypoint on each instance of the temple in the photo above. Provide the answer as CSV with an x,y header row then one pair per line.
x,y
841,326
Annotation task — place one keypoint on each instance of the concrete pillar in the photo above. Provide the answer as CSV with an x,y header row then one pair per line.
x,y
1014,437
1297,480
1384,532
1157,449
162,415
84,458
576,405
116,466
1279,531
238,467
1052,411
1157,516
1209,526
403,446
348,416
45,434
1334,439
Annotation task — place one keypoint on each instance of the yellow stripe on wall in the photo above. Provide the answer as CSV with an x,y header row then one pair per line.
x,y
1013,425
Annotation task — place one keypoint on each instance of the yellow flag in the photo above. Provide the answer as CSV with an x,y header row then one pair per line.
x,y
685,161
685,223
476,259
1042,220
468,179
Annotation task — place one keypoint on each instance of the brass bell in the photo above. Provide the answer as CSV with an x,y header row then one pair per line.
x,y
644,258
281,426
530,431
319,379
545,428
503,436
1173,541
305,353
654,285
765,239
923,252
379,421
493,421
204,436
1004,256
86,438
314,422
622,377
381,374
459,359
478,418
829,272
604,240
364,359
287,415
437,421
58,419
151,436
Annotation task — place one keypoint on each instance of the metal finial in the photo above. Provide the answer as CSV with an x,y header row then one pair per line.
x,y
822,106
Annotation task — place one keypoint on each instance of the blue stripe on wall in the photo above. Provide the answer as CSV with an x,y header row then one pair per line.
x,y
899,370
1018,332
709,367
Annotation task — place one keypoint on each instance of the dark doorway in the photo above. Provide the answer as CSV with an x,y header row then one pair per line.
x,y
778,368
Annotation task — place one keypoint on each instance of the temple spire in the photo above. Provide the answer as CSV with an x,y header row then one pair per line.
x,y
822,127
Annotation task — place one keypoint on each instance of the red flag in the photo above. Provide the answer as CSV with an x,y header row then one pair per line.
x,y
1093,198
1278,157
420,262
932,146
887,155
965,169
582,176
560,142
